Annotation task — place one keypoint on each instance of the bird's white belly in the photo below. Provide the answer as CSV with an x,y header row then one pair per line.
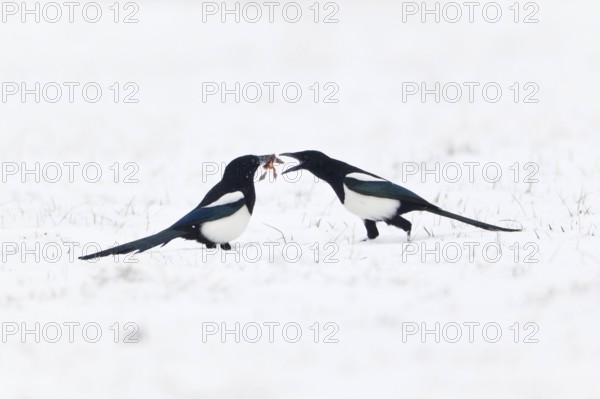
x,y
228,228
370,208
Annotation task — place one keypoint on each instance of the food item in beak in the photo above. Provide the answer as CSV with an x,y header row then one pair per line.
x,y
270,165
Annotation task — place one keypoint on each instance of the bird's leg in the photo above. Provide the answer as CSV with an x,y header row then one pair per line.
x,y
400,222
372,231
226,246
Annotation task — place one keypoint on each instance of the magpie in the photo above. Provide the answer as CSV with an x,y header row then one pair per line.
x,y
370,197
222,215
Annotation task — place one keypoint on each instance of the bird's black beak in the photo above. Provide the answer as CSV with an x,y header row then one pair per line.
x,y
264,159
293,168
269,160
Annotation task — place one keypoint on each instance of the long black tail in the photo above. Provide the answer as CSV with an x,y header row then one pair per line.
x,y
472,222
140,245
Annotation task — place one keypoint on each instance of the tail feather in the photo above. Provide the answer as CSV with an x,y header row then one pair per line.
x,y
140,245
472,222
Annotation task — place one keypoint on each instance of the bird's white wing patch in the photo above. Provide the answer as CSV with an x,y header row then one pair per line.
x,y
363,177
227,199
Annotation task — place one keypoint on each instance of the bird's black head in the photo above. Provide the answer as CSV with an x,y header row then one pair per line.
x,y
314,161
325,168
242,169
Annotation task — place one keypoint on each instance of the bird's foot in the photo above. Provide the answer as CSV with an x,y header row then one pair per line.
x,y
372,232
211,246
226,246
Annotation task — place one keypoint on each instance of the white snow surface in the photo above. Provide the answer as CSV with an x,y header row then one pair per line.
x,y
375,289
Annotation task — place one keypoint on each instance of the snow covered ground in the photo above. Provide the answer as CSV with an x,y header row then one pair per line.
x,y
377,319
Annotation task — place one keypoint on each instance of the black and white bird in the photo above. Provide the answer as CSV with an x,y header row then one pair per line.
x,y
370,197
222,215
